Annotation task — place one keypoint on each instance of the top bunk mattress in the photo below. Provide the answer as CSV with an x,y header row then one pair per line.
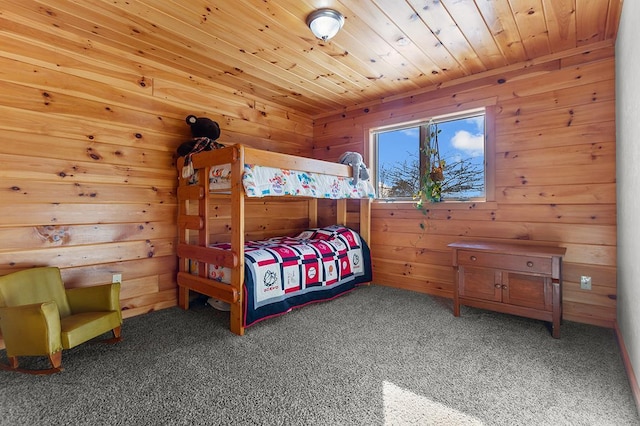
x,y
262,181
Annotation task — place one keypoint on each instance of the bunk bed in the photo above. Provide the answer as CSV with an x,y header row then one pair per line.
x,y
229,176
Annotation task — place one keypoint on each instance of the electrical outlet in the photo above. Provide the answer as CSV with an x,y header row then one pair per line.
x,y
117,278
585,282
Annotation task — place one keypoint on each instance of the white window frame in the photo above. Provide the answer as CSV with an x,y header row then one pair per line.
x,y
489,150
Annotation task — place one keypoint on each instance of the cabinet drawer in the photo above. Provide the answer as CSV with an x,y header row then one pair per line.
x,y
520,263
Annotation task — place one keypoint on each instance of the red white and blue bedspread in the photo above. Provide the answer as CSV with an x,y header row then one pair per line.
x,y
285,272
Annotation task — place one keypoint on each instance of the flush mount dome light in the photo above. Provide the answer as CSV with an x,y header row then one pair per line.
x,y
325,23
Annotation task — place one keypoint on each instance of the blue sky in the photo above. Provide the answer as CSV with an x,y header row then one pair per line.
x,y
457,139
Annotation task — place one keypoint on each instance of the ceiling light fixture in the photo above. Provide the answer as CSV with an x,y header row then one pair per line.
x,y
325,23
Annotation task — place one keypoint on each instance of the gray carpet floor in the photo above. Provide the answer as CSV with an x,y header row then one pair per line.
x,y
376,356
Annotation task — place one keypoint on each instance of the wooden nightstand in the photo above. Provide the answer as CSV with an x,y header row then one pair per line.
x,y
517,279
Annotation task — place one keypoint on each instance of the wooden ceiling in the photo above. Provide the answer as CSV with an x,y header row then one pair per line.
x,y
263,48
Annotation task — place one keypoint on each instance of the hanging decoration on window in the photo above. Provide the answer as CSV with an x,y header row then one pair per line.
x,y
431,181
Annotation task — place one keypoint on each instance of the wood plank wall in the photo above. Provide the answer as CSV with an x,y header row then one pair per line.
x,y
87,141
264,218
554,176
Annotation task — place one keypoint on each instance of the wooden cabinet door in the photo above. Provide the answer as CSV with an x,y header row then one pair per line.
x,y
480,283
527,290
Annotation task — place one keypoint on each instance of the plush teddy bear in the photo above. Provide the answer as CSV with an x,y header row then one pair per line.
x,y
205,132
354,159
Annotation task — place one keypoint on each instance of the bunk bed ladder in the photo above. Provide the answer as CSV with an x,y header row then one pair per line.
x,y
186,222
189,251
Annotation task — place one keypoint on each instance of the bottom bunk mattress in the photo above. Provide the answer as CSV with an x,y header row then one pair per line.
x,y
287,272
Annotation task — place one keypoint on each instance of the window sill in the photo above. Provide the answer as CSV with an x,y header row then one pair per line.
x,y
443,205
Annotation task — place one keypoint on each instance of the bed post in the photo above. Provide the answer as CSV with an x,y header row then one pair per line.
x,y
313,212
365,219
341,211
237,239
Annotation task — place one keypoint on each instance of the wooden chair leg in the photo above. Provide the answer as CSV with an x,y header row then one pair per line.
x,y
13,362
56,359
117,335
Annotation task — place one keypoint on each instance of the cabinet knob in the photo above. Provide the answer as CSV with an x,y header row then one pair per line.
x,y
504,287
473,258
498,285
529,264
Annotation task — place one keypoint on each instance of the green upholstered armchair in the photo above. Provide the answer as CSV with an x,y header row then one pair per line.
x,y
39,317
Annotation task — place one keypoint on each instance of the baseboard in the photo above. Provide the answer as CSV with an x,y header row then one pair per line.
x,y
633,381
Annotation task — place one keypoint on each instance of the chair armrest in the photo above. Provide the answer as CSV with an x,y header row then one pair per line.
x,y
31,329
96,298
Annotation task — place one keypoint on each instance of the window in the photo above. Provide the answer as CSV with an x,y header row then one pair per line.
x,y
401,158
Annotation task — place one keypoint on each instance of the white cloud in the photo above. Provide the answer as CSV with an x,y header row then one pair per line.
x,y
477,121
471,144
412,131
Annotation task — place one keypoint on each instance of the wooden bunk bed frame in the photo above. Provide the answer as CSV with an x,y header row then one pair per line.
x,y
238,156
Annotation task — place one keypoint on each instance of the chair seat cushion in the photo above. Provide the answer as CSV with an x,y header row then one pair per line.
x,y
79,328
